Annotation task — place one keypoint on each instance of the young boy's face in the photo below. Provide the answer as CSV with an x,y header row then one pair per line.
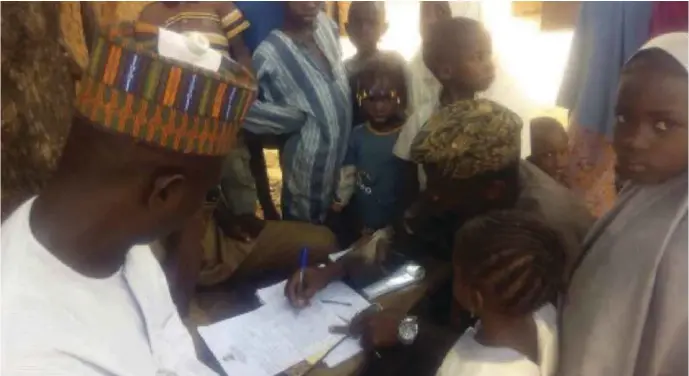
x,y
651,131
470,67
365,26
550,152
382,101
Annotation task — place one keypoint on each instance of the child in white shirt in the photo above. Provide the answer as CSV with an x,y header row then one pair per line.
x,y
508,268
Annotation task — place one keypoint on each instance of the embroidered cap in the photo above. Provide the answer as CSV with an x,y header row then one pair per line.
x,y
468,138
130,87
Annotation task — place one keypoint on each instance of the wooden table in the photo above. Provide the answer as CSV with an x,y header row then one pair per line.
x,y
403,300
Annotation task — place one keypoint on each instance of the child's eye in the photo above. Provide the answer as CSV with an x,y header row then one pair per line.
x,y
660,126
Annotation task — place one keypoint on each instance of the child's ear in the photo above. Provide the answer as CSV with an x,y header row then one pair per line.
x,y
476,301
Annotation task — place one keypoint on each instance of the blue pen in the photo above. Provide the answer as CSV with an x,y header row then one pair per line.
x,y
303,262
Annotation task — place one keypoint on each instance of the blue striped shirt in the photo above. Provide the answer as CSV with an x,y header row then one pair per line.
x,y
313,107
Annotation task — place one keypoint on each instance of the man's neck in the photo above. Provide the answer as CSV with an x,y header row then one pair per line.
x,y
451,95
298,30
72,225
365,54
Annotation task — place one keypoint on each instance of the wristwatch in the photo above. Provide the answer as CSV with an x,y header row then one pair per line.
x,y
408,330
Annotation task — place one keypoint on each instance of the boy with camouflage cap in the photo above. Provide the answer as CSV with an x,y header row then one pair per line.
x,y
470,151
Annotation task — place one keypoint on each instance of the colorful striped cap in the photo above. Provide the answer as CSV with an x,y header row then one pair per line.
x,y
128,87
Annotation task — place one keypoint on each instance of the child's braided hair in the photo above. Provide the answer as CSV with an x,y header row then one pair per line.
x,y
515,256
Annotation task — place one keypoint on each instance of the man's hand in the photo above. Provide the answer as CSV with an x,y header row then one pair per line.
x,y
378,329
245,227
372,249
315,279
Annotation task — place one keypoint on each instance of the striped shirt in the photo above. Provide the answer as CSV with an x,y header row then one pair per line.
x,y
219,21
313,107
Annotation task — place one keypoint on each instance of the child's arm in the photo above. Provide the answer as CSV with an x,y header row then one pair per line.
x,y
409,181
345,188
406,186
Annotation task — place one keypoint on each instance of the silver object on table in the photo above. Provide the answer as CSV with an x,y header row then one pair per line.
x,y
407,274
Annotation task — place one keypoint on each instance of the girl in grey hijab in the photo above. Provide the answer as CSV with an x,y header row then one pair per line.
x,y
625,312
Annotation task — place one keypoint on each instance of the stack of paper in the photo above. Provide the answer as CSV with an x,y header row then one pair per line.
x,y
271,339
325,301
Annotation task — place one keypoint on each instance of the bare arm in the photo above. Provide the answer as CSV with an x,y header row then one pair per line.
x,y
240,52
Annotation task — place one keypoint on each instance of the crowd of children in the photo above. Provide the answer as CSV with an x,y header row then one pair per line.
x,y
509,267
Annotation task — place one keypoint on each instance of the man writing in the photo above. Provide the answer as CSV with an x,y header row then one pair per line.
x,y
81,294
471,153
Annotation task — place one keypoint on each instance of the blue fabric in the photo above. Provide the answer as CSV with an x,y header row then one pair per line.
x,y
607,34
312,108
377,175
263,17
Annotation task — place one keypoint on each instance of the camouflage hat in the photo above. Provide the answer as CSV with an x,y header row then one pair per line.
x,y
468,138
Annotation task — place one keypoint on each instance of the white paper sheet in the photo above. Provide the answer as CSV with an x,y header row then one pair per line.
x,y
335,291
270,339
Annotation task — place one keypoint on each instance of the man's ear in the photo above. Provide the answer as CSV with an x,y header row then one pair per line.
x,y
496,190
444,72
167,192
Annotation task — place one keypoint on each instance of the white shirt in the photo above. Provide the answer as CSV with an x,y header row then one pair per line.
x,y
409,131
56,321
469,358
424,88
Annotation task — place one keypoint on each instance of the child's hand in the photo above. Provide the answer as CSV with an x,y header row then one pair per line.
x,y
337,207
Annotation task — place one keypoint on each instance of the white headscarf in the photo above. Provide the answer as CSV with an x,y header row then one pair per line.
x,y
674,44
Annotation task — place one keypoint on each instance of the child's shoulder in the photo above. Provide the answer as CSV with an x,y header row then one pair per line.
x,y
359,131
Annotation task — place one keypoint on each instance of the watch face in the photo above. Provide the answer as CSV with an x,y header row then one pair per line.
x,y
408,330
